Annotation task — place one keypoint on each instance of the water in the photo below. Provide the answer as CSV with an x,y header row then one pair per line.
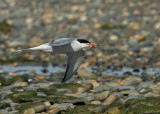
x,y
28,69
50,69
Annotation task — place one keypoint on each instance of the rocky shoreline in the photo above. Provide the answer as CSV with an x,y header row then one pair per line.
x,y
91,94
128,35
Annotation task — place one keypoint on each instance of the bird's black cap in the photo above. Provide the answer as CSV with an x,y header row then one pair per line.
x,y
83,41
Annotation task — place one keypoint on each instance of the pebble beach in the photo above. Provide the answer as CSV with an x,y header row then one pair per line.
x,y
120,76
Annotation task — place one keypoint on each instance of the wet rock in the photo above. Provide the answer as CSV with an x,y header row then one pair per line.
x,y
86,75
123,88
77,95
101,96
63,91
101,88
149,94
100,109
132,81
88,99
62,106
145,84
71,86
112,84
109,100
134,97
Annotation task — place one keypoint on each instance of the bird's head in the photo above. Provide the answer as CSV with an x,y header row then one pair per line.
x,y
86,45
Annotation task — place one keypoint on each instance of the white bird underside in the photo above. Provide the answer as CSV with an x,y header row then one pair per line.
x,y
64,45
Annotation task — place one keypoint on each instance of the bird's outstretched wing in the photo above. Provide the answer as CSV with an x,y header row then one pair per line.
x,y
74,60
61,41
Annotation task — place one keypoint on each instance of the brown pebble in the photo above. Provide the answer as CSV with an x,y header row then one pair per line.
x,y
40,77
110,100
96,102
53,111
29,111
94,83
88,86
20,84
113,110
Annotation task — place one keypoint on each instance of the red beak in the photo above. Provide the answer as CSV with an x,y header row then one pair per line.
x,y
92,44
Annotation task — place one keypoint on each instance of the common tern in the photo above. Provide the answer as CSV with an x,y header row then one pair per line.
x,y
72,47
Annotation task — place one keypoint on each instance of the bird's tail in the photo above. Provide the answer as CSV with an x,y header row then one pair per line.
x,y
40,48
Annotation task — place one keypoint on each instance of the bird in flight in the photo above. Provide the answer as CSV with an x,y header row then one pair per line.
x,y
72,47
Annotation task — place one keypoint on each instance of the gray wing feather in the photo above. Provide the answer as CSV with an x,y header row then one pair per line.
x,y
73,62
61,41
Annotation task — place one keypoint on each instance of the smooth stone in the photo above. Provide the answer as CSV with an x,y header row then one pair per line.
x,y
123,88
81,90
94,83
112,84
53,111
132,97
62,106
109,100
101,88
40,94
100,109
88,99
132,81
118,94
145,84
29,111
40,108
96,102
86,75
63,91
149,94
20,84
130,93
47,104
76,95
87,86
101,96
113,110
